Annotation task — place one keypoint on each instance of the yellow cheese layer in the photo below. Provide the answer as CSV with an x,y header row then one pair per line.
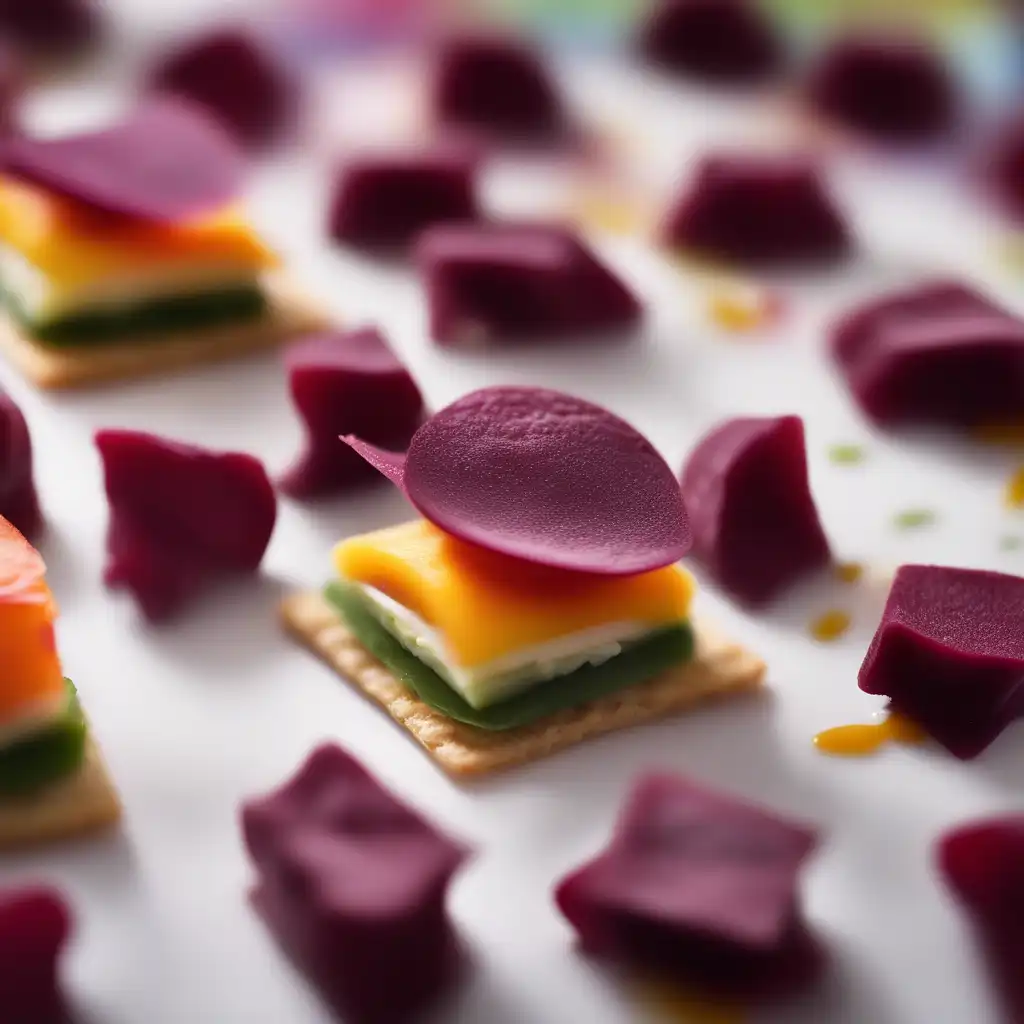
x,y
488,605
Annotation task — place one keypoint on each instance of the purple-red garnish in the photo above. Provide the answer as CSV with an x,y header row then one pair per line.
x,y
518,282
237,79
937,353
50,28
949,653
891,89
755,526
347,383
1003,166
699,888
12,87
167,162
383,201
353,884
19,502
180,516
35,924
983,865
726,42
545,477
758,210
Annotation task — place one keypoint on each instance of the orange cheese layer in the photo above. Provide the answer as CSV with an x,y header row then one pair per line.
x,y
486,605
30,669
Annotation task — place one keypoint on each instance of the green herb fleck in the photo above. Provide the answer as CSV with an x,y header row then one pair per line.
x,y
846,454
914,518
1011,543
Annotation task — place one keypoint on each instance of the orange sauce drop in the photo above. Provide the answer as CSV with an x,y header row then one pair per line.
x,y
849,572
830,626
739,308
1014,494
863,739
676,1005
612,214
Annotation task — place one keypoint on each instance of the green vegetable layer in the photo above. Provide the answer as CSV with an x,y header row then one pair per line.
x,y
43,758
637,663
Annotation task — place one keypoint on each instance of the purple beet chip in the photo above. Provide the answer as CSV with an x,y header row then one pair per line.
x,y
548,478
1002,170
518,282
347,383
237,79
50,28
755,526
35,924
353,884
167,162
939,353
894,90
700,888
725,42
949,653
759,211
180,516
982,863
19,502
384,201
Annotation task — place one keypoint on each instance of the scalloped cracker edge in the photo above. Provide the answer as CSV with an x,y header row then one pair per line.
x,y
720,668
290,313
84,802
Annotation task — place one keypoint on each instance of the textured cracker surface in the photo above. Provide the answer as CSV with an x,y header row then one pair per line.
x,y
720,668
82,803
289,314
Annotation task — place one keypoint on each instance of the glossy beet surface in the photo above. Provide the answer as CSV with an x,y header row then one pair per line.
x,y
759,211
35,924
949,653
19,502
726,42
180,516
50,28
518,282
700,888
347,383
755,526
938,353
353,884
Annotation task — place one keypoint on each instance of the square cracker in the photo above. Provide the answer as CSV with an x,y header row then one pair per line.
x,y
83,802
719,668
54,367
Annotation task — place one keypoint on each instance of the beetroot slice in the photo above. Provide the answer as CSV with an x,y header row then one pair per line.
x,y
755,526
983,865
19,502
167,162
949,653
179,516
350,382
1002,170
548,478
353,885
50,28
701,888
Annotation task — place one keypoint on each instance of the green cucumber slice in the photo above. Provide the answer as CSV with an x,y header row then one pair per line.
x,y
637,663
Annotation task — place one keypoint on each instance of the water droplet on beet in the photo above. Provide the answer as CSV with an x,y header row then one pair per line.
x,y
180,516
518,282
19,502
347,383
949,653
50,28
756,529
699,887
353,885
938,353
757,210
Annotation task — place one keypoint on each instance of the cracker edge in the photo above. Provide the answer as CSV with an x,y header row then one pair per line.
x,y
290,313
720,668
84,802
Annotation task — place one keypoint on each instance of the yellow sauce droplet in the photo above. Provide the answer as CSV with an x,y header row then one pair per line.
x,y
738,308
1015,489
863,739
678,1006
849,572
830,626
614,215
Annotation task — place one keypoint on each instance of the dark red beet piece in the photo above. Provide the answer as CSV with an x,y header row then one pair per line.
x,y
518,282
347,383
12,86
949,653
893,90
701,888
1003,167
383,201
727,42
236,78
758,210
50,28
937,353
353,885
179,516
19,502
35,924
983,865
755,526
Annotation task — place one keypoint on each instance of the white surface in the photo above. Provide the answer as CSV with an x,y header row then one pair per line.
x,y
197,716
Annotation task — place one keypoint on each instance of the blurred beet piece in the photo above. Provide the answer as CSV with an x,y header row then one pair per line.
x,y
50,29
1003,166
19,502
